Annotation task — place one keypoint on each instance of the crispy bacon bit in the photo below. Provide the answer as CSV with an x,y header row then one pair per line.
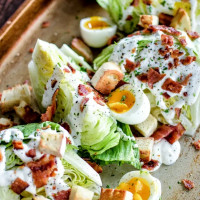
x,y
188,184
62,195
153,77
129,18
176,134
18,186
166,51
165,29
130,66
134,34
176,53
66,126
165,19
48,116
143,77
150,165
96,167
197,145
90,73
42,169
178,112
17,144
84,90
83,103
30,50
147,2
167,96
98,100
66,70
167,40
112,40
71,68
53,83
188,60
182,40
45,24
171,86
30,115
1,156
31,153
193,35
185,94
162,132
176,62
133,50
68,141
135,3
170,65
187,78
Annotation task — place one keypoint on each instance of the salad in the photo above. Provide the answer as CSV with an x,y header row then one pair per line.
x,y
130,105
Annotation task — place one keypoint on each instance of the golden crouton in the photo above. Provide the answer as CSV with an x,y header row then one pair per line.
x,y
146,20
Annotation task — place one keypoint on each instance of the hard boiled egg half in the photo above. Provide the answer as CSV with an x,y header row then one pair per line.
x,y
141,184
129,104
96,31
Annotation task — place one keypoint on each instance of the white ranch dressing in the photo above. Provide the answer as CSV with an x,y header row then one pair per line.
x,y
11,134
3,162
165,152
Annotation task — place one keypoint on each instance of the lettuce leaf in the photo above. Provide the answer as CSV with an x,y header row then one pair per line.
x,y
8,194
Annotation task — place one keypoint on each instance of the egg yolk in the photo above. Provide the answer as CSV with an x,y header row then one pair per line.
x,y
120,101
139,187
96,23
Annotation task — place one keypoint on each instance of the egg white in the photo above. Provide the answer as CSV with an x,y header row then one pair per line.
x,y
140,110
155,185
97,38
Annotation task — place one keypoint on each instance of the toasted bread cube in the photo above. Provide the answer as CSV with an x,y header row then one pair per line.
x,y
114,194
147,127
13,96
26,113
146,20
52,143
107,77
5,123
80,193
181,20
145,146
39,198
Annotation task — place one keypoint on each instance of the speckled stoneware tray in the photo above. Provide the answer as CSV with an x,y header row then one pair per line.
x,y
20,34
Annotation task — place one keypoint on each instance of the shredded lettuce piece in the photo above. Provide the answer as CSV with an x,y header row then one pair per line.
x,y
8,194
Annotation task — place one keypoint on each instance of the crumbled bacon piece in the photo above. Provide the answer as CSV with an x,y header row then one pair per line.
x,y
167,40
84,90
68,141
170,65
18,186
176,134
193,35
185,94
98,100
197,145
150,165
42,169
135,33
48,115
143,77
1,156
147,2
66,126
171,86
176,53
176,62
66,70
62,195
112,40
188,184
83,103
162,132
30,115
30,50
90,73
17,144
96,167
186,80
178,112
130,66
153,77
182,40
31,153
129,18
188,60
71,68
167,96
45,24
165,29
166,51
135,3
